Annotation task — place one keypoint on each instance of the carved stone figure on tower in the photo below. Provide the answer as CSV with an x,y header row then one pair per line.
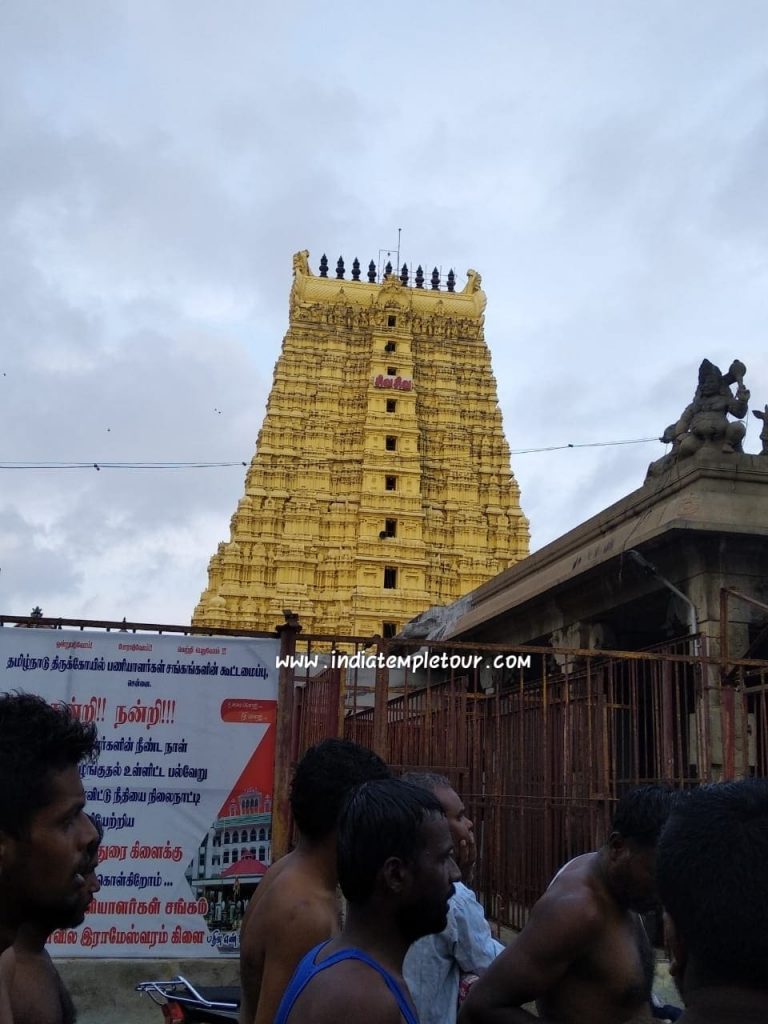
x,y
474,281
301,262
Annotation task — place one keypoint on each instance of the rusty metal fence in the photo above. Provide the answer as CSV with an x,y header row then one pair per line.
x,y
540,742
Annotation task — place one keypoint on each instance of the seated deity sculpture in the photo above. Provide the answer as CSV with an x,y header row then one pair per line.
x,y
705,421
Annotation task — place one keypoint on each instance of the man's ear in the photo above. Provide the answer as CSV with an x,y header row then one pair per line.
x,y
395,874
676,949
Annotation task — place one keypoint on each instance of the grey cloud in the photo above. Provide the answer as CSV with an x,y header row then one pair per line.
x,y
30,571
740,204
602,168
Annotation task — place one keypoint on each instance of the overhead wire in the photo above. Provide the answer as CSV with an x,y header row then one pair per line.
x,y
147,464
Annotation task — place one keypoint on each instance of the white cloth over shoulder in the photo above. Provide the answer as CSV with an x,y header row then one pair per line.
x,y
434,963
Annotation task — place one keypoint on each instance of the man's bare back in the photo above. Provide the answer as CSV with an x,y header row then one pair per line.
x,y
581,957
294,908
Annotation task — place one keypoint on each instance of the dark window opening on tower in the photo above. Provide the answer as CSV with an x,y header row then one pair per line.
x,y
390,483
391,321
391,405
388,630
390,443
390,577
392,371
390,527
391,346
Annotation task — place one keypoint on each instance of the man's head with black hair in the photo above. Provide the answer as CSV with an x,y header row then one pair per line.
x,y
44,832
37,740
712,867
395,851
323,779
631,847
642,813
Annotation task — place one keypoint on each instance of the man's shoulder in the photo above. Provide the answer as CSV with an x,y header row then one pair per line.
x,y
354,989
573,900
577,880
286,925
289,917
37,992
577,895
7,965
294,891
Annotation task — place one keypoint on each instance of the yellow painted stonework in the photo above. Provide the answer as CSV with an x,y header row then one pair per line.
x,y
382,419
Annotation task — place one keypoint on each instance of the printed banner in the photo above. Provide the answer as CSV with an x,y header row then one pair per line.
x,y
182,786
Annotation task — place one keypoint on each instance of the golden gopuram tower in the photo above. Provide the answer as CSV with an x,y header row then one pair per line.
x,y
381,482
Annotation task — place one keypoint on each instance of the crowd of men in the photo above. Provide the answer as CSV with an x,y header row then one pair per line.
x,y
413,944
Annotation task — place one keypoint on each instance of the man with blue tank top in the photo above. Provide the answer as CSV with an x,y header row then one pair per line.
x,y
396,870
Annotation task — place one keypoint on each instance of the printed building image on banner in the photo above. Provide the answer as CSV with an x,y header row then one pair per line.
x,y
237,848
182,785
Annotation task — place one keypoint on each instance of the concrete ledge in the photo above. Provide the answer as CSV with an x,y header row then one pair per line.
x,y
103,990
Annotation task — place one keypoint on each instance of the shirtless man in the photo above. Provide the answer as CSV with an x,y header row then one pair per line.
x,y
36,991
713,882
296,905
44,838
584,955
434,965
396,870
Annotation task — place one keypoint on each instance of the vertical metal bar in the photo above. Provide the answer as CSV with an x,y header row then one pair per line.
x,y
380,695
342,689
704,721
727,696
761,726
355,718
594,761
667,723
546,754
566,787
724,644
284,731
634,721
728,710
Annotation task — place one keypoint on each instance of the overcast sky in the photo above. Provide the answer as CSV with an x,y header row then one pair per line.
x,y
604,165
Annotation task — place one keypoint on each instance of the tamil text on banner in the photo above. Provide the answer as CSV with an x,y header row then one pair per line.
x,y
182,785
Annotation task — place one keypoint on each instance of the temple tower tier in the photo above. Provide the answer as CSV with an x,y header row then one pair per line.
x,y
381,482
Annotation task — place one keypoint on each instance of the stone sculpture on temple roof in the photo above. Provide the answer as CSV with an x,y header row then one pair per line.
x,y
763,415
703,425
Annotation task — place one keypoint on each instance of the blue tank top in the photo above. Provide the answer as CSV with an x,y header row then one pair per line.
x,y
307,970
